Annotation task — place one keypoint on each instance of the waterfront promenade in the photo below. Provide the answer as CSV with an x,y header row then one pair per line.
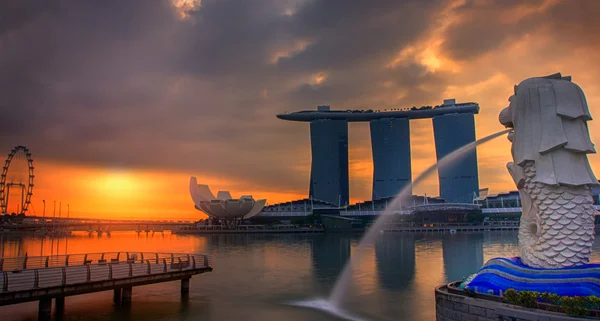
x,y
392,227
248,229
455,228
43,278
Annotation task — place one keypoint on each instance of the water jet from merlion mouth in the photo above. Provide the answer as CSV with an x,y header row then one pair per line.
x,y
333,303
339,289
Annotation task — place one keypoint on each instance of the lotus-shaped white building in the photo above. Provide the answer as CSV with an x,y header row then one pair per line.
x,y
223,207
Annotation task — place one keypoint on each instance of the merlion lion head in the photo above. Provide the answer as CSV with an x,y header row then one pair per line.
x,y
549,117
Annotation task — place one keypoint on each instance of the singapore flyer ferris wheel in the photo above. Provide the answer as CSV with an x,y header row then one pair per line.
x,y
16,181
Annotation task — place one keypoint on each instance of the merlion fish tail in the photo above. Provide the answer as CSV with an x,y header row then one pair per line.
x,y
558,232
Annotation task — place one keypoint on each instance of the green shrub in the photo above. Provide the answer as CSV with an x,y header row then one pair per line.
x,y
528,299
512,296
550,298
524,298
573,306
593,302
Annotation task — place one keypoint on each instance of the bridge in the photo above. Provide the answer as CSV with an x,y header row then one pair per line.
x,y
38,223
43,278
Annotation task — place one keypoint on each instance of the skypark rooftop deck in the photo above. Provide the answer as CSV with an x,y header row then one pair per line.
x,y
324,112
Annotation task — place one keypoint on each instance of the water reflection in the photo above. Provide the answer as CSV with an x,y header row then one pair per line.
x,y
463,254
395,257
330,252
229,240
255,274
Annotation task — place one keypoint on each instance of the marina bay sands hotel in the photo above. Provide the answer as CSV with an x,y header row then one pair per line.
x,y
453,126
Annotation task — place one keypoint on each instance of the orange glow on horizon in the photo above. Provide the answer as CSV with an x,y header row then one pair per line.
x,y
126,194
118,184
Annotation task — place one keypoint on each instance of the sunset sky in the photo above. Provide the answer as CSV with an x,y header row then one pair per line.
x,y
121,101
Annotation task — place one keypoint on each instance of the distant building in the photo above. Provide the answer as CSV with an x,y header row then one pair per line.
x,y
414,210
329,167
454,127
458,180
510,199
298,208
223,207
390,142
381,204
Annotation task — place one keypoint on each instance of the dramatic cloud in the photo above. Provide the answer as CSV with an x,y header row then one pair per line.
x,y
482,26
157,85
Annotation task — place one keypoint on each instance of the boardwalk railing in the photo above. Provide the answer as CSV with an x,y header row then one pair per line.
x,y
27,273
38,262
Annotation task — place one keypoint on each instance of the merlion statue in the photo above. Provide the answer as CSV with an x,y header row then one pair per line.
x,y
550,143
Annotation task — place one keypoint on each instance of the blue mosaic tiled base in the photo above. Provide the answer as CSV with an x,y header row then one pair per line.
x,y
506,273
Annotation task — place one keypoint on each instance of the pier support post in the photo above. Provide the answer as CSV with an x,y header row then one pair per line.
x,y
45,309
117,296
126,295
59,305
185,286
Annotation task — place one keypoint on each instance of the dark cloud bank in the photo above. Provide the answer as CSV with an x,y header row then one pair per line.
x,y
130,84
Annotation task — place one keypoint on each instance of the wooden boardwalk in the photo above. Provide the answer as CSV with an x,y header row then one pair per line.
x,y
43,278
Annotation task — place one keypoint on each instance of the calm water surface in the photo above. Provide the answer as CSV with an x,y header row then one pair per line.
x,y
256,275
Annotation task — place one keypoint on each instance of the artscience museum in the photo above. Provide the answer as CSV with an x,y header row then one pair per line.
x,y
223,207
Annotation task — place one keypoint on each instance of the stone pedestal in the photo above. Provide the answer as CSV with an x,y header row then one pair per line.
x,y
452,307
